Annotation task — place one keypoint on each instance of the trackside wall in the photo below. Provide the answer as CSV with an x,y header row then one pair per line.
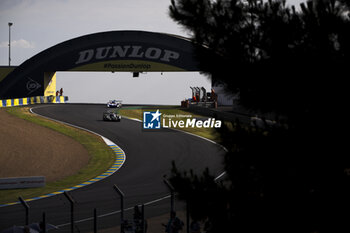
x,y
33,100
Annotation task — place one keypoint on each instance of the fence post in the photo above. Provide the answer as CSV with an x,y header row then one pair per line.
x,y
26,207
172,196
71,201
143,218
187,216
44,223
121,194
95,221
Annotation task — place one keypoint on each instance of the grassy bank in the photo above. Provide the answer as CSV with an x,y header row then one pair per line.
x,y
101,158
179,113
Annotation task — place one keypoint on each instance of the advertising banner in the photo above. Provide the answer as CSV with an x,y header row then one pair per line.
x,y
113,51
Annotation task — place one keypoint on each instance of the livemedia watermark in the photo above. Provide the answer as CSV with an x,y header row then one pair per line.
x,y
158,120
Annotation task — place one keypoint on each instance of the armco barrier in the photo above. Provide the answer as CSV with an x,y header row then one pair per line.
x,y
33,100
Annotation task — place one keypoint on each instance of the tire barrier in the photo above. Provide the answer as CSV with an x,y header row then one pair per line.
x,y
33,100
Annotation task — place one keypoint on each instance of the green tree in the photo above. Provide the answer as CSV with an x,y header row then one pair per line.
x,y
269,45
293,63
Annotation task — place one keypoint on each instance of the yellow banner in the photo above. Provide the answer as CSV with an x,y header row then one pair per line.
x,y
127,66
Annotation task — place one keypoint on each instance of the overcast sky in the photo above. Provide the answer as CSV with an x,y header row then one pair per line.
x,y
40,24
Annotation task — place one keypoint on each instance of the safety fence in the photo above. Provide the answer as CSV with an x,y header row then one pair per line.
x,y
33,100
115,214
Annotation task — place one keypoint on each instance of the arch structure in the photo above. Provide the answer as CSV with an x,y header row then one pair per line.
x,y
113,51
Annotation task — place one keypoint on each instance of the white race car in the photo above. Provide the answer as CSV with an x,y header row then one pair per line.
x,y
114,104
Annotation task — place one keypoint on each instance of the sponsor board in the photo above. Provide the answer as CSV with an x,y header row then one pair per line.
x,y
126,51
22,182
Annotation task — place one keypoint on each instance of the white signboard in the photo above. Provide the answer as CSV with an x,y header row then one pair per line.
x,y
22,182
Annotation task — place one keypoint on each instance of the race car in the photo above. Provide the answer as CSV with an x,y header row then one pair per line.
x,y
114,104
111,116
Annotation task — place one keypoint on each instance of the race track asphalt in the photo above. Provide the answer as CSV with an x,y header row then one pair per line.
x,y
148,160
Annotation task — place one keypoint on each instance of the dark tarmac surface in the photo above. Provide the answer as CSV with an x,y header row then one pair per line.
x,y
148,160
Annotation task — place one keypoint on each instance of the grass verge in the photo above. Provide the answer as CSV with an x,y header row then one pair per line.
x,y
101,158
179,113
